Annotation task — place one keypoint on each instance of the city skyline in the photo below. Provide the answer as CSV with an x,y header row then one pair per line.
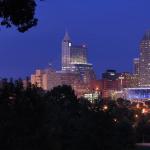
x,y
75,75
112,33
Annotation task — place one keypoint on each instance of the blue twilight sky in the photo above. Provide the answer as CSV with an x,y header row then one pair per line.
x,y
112,29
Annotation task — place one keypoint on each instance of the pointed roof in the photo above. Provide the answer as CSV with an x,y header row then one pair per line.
x,y
67,37
147,35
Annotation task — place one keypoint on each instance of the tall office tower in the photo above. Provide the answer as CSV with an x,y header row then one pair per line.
x,y
66,45
144,72
74,59
136,66
78,54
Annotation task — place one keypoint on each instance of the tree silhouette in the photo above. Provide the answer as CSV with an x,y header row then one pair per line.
x,y
31,119
19,13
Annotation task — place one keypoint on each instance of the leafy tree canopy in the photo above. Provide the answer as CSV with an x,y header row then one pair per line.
x,y
19,13
32,119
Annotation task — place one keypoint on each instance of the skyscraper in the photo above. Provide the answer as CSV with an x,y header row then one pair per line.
x,y
66,45
74,59
72,54
144,69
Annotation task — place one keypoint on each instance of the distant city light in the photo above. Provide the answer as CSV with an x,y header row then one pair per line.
x,y
144,111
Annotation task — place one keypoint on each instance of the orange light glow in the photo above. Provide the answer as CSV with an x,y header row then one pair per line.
x,y
144,111
105,107
138,106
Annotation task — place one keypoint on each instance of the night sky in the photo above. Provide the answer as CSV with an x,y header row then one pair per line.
x,y
112,29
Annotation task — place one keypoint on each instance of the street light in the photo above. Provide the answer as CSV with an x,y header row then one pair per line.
x,y
105,107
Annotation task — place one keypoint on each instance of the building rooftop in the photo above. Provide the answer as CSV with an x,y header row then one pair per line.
x,y
67,37
147,35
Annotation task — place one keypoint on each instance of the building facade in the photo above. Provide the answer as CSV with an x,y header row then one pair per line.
x,y
113,82
144,60
66,45
86,72
74,80
109,82
46,79
78,54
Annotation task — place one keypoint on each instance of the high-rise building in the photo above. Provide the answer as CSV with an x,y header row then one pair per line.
x,y
144,69
136,66
66,45
72,54
74,59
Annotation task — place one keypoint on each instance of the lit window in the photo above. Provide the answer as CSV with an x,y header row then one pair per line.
x,y
69,44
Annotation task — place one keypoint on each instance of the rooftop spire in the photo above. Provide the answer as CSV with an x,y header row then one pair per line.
x,y
66,37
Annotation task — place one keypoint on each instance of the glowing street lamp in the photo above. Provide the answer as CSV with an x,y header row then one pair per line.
x,y
115,120
105,107
97,89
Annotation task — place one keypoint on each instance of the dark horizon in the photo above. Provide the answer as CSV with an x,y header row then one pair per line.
x,y
112,31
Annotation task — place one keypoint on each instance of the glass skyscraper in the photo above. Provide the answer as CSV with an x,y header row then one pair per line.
x,y
144,70
78,54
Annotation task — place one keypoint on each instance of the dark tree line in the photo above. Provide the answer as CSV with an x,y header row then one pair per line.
x,y
31,119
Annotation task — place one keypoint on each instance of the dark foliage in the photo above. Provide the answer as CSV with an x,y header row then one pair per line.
x,y
143,129
31,119
19,13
